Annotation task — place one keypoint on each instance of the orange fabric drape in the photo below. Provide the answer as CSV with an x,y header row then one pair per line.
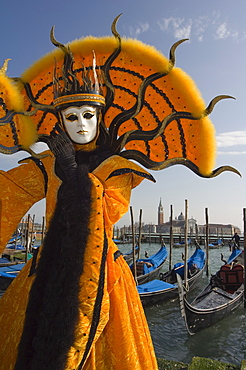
x,y
122,340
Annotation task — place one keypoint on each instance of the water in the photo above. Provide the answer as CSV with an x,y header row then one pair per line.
x,y
224,341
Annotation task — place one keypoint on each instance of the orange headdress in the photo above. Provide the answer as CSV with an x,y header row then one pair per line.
x,y
153,112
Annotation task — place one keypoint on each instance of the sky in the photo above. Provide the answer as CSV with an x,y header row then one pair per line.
x,y
214,57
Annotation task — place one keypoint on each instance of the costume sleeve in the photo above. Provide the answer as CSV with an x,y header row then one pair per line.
x,y
118,192
118,176
20,188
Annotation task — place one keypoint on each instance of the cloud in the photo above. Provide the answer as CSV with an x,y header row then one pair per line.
x,y
232,138
140,28
180,27
229,139
166,23
231,153
223,32
199,27
183,32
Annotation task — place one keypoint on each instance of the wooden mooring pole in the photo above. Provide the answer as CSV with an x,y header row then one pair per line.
x,y
32,232
206,241
186,245
140,232
244,247
133,246
16,239
27,240
23,231
171,237
43,230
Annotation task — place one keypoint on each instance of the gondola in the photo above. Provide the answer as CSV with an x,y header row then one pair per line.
x,y
15,237
219,243
128,256
18,247
219,298
119,241
165,288
148,269
5,261
9,270
181,243
8,273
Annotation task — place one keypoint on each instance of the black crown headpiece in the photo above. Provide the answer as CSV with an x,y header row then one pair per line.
x,y
70,88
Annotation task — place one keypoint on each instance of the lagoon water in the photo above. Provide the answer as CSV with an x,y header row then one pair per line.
x,y
224,341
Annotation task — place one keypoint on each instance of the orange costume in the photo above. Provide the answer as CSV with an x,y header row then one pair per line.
x,y
77,306
121,307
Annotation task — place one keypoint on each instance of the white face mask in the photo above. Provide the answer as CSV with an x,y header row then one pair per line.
x,y
80,123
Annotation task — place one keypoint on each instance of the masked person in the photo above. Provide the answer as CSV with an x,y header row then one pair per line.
x,y
76,305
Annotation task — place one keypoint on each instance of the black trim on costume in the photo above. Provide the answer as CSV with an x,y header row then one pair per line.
x,y
33,268
122,171
141,77
41,166
52,311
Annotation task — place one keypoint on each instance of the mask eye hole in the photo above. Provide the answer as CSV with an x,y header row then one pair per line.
x,y
71,117
88,115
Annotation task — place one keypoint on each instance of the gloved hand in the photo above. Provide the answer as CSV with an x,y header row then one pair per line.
x,y
62,147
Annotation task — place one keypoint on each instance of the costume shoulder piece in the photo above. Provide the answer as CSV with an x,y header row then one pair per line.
x,y
116,165
153,112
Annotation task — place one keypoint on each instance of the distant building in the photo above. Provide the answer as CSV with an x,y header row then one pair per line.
x,y
160,214
149,228
178,225
219,229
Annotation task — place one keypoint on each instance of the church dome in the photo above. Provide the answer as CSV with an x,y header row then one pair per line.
x,y
181,217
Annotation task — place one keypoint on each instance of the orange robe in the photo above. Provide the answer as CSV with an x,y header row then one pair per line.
x,y
122,339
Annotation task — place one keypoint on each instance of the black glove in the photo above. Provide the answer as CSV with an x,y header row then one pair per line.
x,y
62,147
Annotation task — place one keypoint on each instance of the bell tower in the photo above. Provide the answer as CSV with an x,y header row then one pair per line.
x,y
160,214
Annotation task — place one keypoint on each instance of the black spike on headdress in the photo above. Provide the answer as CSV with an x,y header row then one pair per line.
x,y
68,89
